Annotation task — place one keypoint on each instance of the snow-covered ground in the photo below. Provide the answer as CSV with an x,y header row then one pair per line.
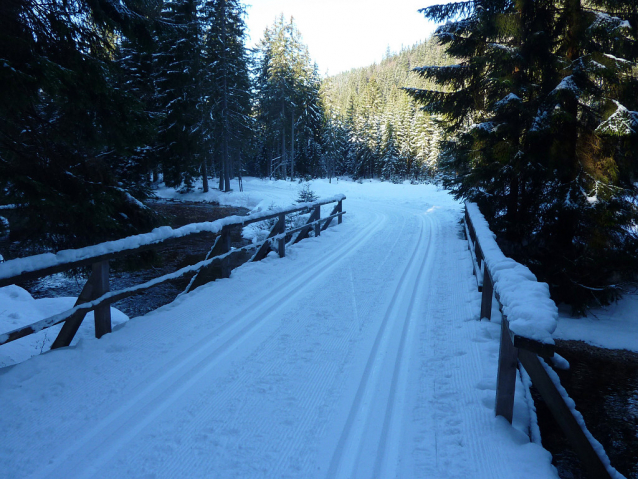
x,y
18,308
613,327
359,354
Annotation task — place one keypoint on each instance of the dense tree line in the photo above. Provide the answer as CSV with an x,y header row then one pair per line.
x,y
541,115
100,98
372,128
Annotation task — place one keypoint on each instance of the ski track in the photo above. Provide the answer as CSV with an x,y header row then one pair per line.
x,y
363,361
120,426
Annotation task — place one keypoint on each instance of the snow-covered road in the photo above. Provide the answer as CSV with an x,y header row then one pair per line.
x,y
359,355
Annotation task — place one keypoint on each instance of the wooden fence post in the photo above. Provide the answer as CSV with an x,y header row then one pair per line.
x,y
303,234
488,292
102,313
592,464
282,241
340,210
225,248
71,325
279,227
506,375
317,218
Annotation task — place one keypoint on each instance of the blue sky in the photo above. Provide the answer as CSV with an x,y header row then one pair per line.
x,y
344,34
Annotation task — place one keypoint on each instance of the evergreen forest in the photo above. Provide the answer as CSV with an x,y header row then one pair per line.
x,y
527,107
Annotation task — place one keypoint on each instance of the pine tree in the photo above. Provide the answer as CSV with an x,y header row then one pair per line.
x,y
226,102
527,109
69,133
178,80
287,101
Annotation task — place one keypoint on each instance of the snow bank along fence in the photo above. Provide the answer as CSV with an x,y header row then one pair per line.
x,y
96,295
529,317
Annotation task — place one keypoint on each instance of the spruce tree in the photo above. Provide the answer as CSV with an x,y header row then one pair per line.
x,y
529,109
69,133
226,84
178,79
287,107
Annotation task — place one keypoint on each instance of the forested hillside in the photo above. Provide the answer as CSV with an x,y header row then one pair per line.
x,y
373,128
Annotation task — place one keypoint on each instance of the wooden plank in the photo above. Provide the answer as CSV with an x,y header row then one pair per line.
x,y
281,246
506,375
102,313
262,252
486,297
207,273
306,229
40,273
317,218
479,254
71,325
592,464
225,246
542,349
476,270
329,219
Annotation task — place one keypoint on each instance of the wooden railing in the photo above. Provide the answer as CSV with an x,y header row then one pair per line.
x,y
531,354
96,295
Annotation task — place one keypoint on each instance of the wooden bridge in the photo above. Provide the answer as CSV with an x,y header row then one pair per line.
x,y
358,360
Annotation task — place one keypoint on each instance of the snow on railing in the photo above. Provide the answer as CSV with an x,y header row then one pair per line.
x,y
42,262
528,322
526,302
95,295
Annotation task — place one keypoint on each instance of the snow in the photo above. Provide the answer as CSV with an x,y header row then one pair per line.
x,y
598,448
18,266
18,308
567,84
506,100
487,126
526,302
612,327
608,22
622,122
358,355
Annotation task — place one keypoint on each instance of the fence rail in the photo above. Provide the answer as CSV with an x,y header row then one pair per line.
x,y
96,295
531,353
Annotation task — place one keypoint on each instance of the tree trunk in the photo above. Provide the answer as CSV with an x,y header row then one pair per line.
x,y
205,176
283,140
292,148
226,158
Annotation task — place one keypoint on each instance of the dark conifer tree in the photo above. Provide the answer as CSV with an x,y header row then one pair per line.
x,y
528,110
177,80
226,84
69,134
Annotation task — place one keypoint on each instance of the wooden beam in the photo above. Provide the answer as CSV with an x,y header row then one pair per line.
x,y
262,252
102,313
592,464
486,296
506,375
58,268
317,218
340,205
544,350
282,241
329,219
77,313
109,298
71,325
306,228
